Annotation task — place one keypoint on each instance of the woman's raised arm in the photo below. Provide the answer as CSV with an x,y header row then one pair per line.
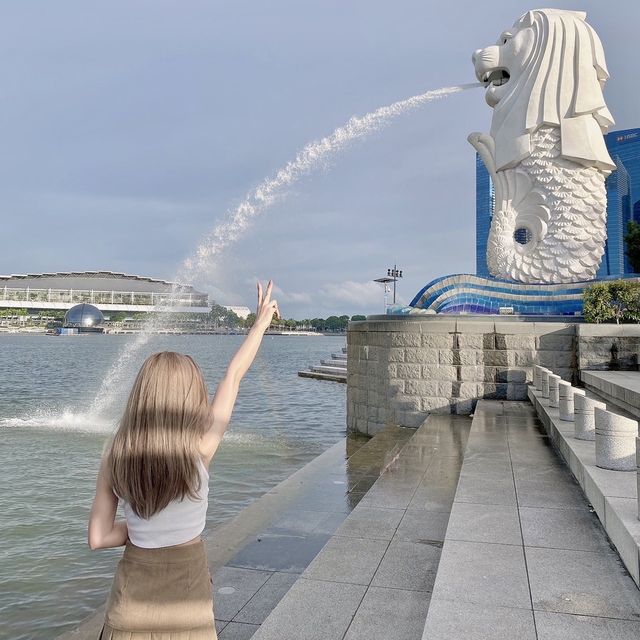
x,y
227,391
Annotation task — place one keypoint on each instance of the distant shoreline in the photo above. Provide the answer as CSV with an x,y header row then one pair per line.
x,y
37,331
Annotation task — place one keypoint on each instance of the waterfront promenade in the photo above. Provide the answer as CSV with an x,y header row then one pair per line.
x,y
525,555
464,528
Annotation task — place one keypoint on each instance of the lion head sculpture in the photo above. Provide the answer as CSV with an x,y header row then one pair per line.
x,y
548,69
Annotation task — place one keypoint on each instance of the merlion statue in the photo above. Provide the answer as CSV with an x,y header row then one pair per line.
x,y
546,153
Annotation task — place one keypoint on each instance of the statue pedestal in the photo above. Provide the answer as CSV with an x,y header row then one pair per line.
x,y
469,294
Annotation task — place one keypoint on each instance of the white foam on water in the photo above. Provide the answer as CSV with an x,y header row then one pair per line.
x,y
62,421
313,156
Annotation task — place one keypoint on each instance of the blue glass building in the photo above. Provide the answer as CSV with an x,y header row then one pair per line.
x,y
485,202
623,203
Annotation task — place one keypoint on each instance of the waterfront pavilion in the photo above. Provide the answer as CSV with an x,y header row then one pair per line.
x,y
108,290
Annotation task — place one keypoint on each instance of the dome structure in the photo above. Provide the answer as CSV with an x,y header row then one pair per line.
x,y
83,315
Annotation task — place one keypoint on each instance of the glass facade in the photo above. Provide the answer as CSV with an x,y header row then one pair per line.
x,y
75,296
623,203
484,212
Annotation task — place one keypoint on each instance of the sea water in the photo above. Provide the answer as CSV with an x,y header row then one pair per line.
x,y
49,455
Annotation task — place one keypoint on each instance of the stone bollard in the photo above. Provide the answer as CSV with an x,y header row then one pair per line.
x,y
537,380
544,376
565,400
584,418
615,441
554,381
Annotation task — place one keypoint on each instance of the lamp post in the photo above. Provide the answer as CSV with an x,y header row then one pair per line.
x,y
394,274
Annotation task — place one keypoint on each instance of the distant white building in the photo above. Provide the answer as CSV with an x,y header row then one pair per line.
x,y
107,290
241,312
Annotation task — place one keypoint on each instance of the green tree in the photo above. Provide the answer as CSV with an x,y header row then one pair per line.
x,y
221,316
7,313
617,301
358,318
596,303
632,242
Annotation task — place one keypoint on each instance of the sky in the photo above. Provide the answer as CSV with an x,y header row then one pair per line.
x,y
131,128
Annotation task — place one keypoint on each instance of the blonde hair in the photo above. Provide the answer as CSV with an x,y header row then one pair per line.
x,y
154,453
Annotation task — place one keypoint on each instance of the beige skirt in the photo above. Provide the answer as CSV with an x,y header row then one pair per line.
x,y
161,594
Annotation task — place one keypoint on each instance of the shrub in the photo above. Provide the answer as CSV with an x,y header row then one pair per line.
x,y
618,300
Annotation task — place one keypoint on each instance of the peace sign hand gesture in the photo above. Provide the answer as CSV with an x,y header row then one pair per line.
x,y
267,308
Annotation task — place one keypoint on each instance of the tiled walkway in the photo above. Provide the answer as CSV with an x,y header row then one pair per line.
x,y
258,576
524,555
374,577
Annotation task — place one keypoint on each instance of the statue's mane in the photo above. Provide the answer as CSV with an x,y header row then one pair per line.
x,y
562,86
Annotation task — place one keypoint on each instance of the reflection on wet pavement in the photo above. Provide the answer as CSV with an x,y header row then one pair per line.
x,y
375,518
294,538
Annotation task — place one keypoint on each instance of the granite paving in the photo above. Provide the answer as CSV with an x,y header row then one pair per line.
x,y
268,566
524,554
374,577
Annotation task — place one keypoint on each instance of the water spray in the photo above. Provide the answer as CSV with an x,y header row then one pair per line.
x,y
312,156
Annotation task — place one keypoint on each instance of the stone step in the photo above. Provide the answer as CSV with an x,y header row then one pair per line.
x,y
341,364
621,388
334,369
523,550
261,574
325,369
330,377
613,494
373,577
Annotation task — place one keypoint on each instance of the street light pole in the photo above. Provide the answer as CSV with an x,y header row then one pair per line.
x,y
395,274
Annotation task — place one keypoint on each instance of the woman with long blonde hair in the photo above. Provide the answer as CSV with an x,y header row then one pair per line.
x,y
157,466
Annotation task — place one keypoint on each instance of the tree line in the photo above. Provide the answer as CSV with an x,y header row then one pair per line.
x,y
221,316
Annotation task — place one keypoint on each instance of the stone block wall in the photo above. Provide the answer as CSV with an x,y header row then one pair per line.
x,y
608,347
402,368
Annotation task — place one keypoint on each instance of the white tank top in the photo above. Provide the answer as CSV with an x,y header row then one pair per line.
x,y
179,522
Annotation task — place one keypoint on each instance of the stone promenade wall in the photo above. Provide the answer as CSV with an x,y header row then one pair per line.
x,y
400,369
608,347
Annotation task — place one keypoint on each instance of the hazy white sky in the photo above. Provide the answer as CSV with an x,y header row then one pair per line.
x,y
129,128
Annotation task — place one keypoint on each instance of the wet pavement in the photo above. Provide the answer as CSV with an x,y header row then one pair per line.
x,y
373,577
524,555
254,580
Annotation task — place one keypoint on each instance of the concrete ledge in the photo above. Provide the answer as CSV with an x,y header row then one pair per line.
x,y
318,375
613,494
621,388
374,576
610,330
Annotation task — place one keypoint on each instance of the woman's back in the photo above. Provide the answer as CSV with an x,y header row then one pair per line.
x,y
179,522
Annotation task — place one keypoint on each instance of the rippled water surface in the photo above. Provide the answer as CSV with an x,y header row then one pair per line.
x,y
50,449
